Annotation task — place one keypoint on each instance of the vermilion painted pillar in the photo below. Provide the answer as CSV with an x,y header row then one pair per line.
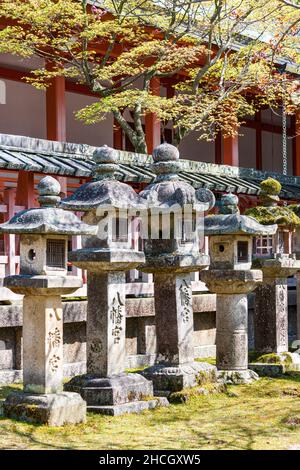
x,y
56,110
56,117
231,151
218,149
296,144
152,123
25,189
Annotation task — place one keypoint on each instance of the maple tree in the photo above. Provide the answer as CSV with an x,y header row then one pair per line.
x,y
223,59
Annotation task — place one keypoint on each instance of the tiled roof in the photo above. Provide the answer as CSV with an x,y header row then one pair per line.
x,y
74,160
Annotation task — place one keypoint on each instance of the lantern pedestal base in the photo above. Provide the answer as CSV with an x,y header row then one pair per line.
x,y
237,377
55,409
115,395
167,378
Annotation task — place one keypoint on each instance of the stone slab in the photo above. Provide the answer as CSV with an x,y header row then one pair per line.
x,y
268,370
111,391
132,407
52,409
205,351
10,376
237,377
167,379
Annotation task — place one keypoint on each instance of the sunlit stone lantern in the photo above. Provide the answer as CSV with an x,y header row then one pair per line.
x,y
106,257
175,212
44,234
230,276
274,256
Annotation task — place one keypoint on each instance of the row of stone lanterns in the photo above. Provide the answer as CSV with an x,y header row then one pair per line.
x,y
106,255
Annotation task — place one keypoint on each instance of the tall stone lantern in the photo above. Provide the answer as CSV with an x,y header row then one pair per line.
x,y
44,234
175,210
230,276
274,256
105,200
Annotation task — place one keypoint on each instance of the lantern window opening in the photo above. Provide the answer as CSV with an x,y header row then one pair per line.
x,y
242,251
263,245
119,229
56,253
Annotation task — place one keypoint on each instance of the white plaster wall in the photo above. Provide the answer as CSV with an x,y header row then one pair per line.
x,y
78,132
24,112
247,147
272,153
199,150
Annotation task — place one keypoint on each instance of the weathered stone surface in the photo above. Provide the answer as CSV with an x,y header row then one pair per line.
x,y
268,370
130,407
106,323
232,332
169,379
111,391
237,377
48,218
106,259
42,285
42,344
174,318
52,409
270,316
231,281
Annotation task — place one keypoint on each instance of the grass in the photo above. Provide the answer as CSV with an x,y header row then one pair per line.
x,y
264,415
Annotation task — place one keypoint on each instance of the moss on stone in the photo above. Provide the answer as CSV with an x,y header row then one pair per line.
x,y
276,358
295,208
188,394
280,215
270,186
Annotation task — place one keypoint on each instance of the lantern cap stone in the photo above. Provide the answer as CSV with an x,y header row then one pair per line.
x,y
104,190
48,218
167,190
230,222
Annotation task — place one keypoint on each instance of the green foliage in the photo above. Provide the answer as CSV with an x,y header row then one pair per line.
x,y
263,415
120,48
295,208
280,215
271,186
274,358
188,394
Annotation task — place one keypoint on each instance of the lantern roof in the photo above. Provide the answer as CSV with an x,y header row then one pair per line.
x,y
48,218
229,221
104,190
168,190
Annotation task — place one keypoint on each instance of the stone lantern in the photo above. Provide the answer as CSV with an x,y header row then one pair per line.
x,y
105,200
273,255
44,234
175,211
230,276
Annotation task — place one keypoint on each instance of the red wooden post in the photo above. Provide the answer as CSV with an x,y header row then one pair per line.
x,y
56,117
152,123
231,151
296,144
25,189
218,149
56,110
